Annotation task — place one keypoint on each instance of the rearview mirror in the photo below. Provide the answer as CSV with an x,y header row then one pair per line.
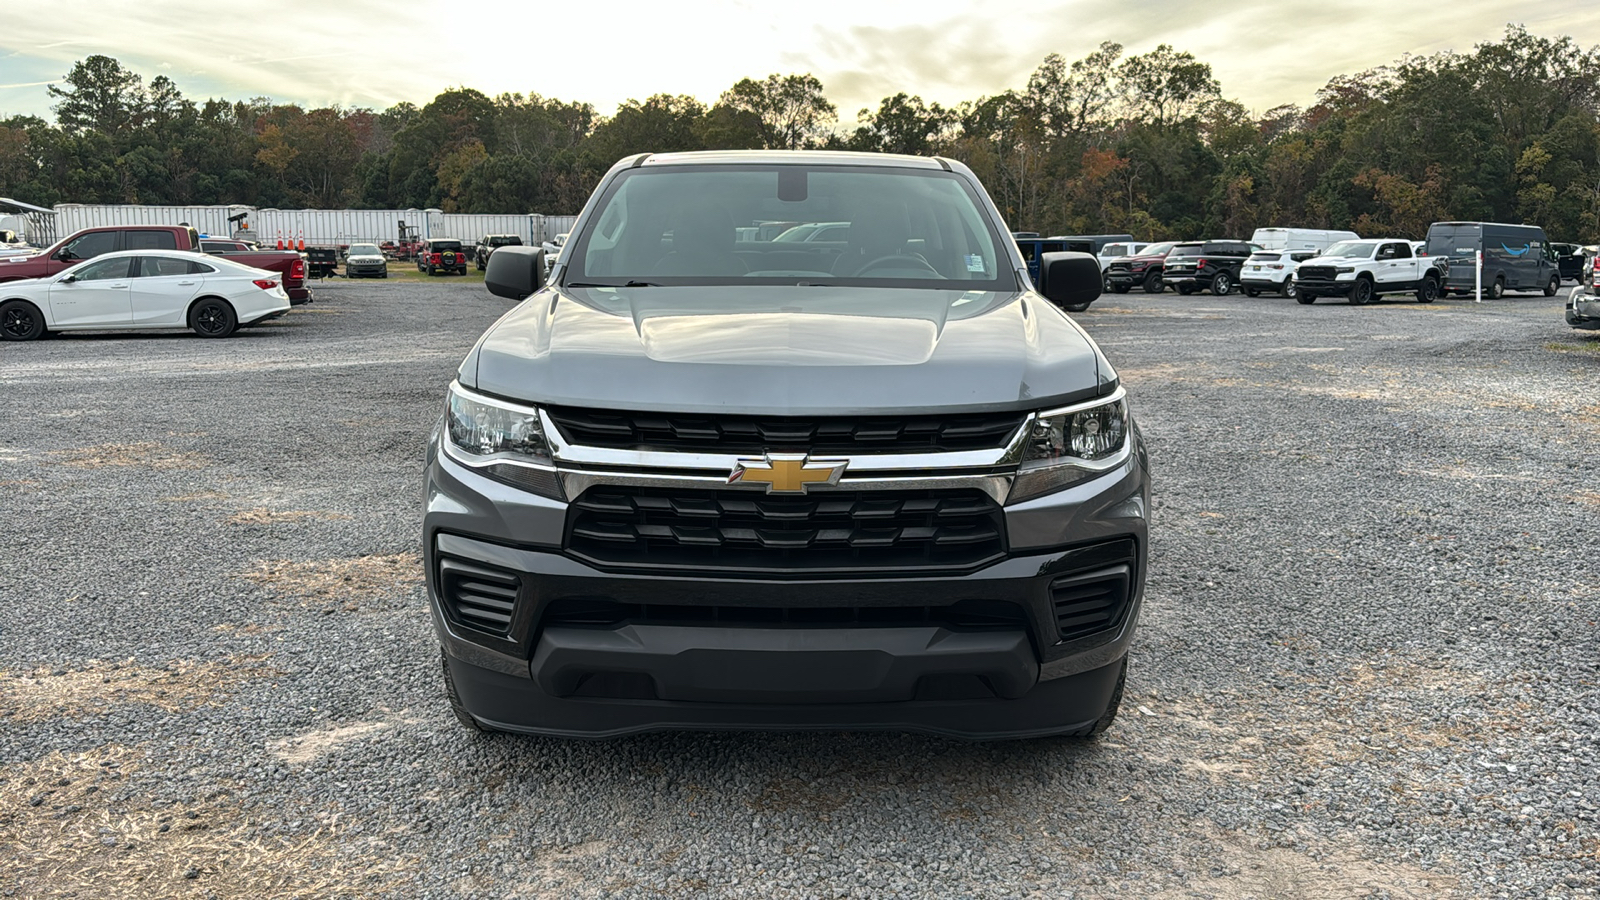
x,y
515,273
1070,280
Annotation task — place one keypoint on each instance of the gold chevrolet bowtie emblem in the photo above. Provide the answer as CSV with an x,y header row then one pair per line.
x,y
787,473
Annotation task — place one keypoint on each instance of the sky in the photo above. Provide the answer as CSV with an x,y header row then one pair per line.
x,y
374,54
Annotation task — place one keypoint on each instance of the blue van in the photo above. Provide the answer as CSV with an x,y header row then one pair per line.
x,y
1515,257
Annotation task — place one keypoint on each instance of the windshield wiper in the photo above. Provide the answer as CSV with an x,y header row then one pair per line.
x,y
593,284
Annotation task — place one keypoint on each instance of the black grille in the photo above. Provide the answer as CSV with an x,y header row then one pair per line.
x,y
1119,267
1320,273
1085,604
757,434
481,597
964,614
749,530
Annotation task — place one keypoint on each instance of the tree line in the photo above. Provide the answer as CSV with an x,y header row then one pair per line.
x,y
1145,144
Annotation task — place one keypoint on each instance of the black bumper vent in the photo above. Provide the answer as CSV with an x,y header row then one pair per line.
x,y
965,614
752,434
1085,604
479,596
1315,273
655,528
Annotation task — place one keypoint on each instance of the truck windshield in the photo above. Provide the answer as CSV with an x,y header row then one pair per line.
x,y
1351,250
680,225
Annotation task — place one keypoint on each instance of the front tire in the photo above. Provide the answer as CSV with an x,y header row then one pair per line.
x,y
213,317
1305,298
456,706
1221,284
1152,284
1361,293
21,321
1119,288
1110,715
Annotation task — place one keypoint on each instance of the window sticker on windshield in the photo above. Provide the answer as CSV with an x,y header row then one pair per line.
x,y
974,262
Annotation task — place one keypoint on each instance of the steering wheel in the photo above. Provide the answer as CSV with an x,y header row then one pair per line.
x,y
915,262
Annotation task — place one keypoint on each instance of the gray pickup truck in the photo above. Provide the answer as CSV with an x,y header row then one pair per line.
x,y
697,482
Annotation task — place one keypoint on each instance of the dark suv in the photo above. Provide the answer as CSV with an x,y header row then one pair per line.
x,y
1203,265
1143,268
489,243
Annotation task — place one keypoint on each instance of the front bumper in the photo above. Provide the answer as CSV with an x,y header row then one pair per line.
x,y
1583,310
1129,277
1010,679
1325,287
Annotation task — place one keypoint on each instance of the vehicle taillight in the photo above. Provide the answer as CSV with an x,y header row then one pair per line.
x,y
1200,264
265,284
297,269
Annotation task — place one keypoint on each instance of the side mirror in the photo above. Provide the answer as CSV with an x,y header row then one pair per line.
x,y
515,273
1069,279
68,278
64,255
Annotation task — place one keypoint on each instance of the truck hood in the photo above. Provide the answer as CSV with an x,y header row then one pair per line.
x,y
787,350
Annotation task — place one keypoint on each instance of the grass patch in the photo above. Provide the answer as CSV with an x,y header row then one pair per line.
x,y
263,516
351,579
1593,348
143,455
43,695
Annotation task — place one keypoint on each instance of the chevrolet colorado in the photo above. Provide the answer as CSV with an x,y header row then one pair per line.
x,y
691,482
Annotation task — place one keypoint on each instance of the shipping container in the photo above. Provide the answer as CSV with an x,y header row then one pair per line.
x,y
208,220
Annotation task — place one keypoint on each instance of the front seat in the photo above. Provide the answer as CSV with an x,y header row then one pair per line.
x,y
702,244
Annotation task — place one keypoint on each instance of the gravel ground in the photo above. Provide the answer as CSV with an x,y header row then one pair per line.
x,y
1367,664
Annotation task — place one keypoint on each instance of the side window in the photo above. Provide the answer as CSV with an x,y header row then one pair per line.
x,y
105,270
199,268
1401,251
92,244
159,266
1386,251
151,240
1303,255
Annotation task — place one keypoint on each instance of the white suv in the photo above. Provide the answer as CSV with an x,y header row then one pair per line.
x,y
1364,270
1272,270
1118,251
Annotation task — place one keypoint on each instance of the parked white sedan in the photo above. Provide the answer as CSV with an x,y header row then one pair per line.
x,y
142,289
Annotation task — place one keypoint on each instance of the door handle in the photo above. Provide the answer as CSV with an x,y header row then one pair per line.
x,y
188,282
114,286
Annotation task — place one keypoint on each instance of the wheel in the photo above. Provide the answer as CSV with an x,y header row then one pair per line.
x,y
1077,307
1288,290
1497,288
1361,294
462,716
1428,291
1252,292
20,321
1222,284
480,265
213,317
384,275
1110,715
1152,283
1120,288
1185,289
1305,298
462,271
1554,285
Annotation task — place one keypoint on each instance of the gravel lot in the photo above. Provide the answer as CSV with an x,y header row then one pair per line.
x,y
1367,665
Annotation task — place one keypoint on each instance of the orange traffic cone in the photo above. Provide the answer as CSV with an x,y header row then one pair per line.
x,y
302,242
280,240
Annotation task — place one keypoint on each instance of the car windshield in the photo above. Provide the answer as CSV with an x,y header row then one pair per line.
x,y
1157,250
677,225
364,250
1351,250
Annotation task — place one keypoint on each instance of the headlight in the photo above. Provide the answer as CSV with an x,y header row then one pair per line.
x,y
500,440
1071,445
1344,270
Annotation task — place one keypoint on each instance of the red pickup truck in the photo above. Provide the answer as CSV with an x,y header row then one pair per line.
x,y
92,242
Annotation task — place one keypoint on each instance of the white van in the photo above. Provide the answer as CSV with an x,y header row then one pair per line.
x,y
1300,238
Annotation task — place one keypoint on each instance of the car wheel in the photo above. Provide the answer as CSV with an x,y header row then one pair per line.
x,y
1185,289
462,716
20,321
1428,291
1305,298
1110,715
1119,288
1252,292
1288,290
462,271
1554,285
1361,293
1497,289
1222,284
1077,307
213,317
1152,284
384,275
